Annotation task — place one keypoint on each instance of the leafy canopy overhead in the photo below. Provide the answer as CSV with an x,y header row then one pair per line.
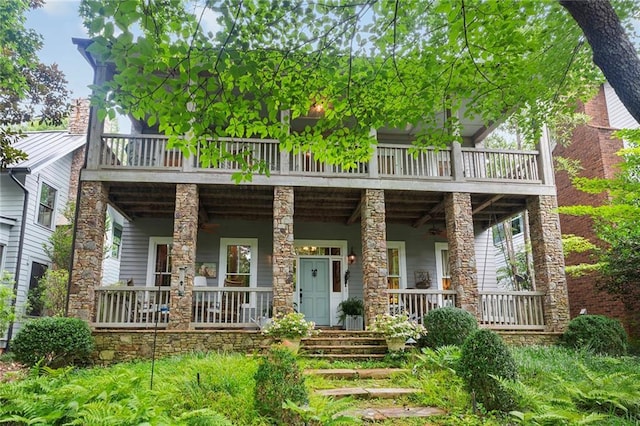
x,y
28,88
357,65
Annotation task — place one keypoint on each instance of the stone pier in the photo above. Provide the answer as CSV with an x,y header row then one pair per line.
x,y
374,254
183,255
283,250
548,260
462,254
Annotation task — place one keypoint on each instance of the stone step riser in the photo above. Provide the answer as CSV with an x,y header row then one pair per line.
x,y
345,351
343,342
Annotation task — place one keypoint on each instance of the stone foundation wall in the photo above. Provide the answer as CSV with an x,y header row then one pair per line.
x,y
126,345
529,338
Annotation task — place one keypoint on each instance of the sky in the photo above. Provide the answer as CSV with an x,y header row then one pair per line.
x,y
58,22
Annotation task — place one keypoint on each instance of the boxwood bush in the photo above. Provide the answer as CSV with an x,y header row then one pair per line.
x,y
596,333
448,326
57,341
484,357
279,379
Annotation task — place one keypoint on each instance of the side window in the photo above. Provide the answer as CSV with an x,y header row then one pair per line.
x,y
46,205
116,241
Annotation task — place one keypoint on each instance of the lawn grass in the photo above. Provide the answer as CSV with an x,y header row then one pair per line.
x,y
217,389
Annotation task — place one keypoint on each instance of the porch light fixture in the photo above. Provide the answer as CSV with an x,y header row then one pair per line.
x,y
352,256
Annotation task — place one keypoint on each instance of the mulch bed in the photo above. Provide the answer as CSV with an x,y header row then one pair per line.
x,y
10,371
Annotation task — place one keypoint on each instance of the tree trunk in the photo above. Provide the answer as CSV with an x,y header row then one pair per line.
x,y
612,50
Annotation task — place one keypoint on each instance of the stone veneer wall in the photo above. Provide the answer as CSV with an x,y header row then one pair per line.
x,y
374,254
79,116
462,254
548,260
183,255
88,250
283,249
125,345
528,338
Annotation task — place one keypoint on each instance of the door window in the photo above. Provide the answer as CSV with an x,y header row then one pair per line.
x,y
159,271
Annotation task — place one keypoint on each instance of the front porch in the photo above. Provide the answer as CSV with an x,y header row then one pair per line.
x,y
121,307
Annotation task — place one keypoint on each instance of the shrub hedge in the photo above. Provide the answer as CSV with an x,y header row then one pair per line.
x,y
56,341
596,333
484,357
448,326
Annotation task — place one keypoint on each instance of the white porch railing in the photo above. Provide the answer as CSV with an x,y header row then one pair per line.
x,y
417,303
518,310
392,161
500,164
137,307
231,306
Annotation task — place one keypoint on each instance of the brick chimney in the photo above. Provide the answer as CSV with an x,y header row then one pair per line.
x,y
79,116
79,125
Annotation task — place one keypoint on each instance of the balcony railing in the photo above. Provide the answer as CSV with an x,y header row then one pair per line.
x,y
136,307
417,302
497,164
512,309
391,161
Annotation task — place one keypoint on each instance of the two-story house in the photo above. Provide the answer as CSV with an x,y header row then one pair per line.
x,y
402,232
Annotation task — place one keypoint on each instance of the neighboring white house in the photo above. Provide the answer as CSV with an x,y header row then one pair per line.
x,y
33,194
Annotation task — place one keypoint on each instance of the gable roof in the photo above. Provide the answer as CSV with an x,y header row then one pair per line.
x,y
43,148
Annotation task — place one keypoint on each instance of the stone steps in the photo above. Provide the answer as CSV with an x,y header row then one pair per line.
x,y
340,344
375,390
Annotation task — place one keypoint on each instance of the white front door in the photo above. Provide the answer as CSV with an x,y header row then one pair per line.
x,y
314,290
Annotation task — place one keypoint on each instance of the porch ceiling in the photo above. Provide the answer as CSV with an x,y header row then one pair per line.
x,y
252,202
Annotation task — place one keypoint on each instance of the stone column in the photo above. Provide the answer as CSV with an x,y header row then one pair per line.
x,y
462,253
88,250
183,256
374,254
548,260
283,250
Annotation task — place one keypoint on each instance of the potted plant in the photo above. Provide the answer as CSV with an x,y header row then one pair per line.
x,y
350,313
397,329
290,329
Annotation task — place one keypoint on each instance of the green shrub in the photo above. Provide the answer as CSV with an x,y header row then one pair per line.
x,y
6,302
484,357
56,341
279,379
596,333
448,326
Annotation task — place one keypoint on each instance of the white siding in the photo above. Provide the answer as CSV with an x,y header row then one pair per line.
x,y
485,255
619,117
111,265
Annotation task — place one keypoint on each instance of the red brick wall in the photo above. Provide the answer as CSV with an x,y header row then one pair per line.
x,y
594,147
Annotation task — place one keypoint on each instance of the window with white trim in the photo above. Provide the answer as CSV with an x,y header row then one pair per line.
x,y
396,265
238,262
46,205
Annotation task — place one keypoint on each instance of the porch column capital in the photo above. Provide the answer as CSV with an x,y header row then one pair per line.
x,y
88,251
374,254
462,253
283,250
183,255
548,260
